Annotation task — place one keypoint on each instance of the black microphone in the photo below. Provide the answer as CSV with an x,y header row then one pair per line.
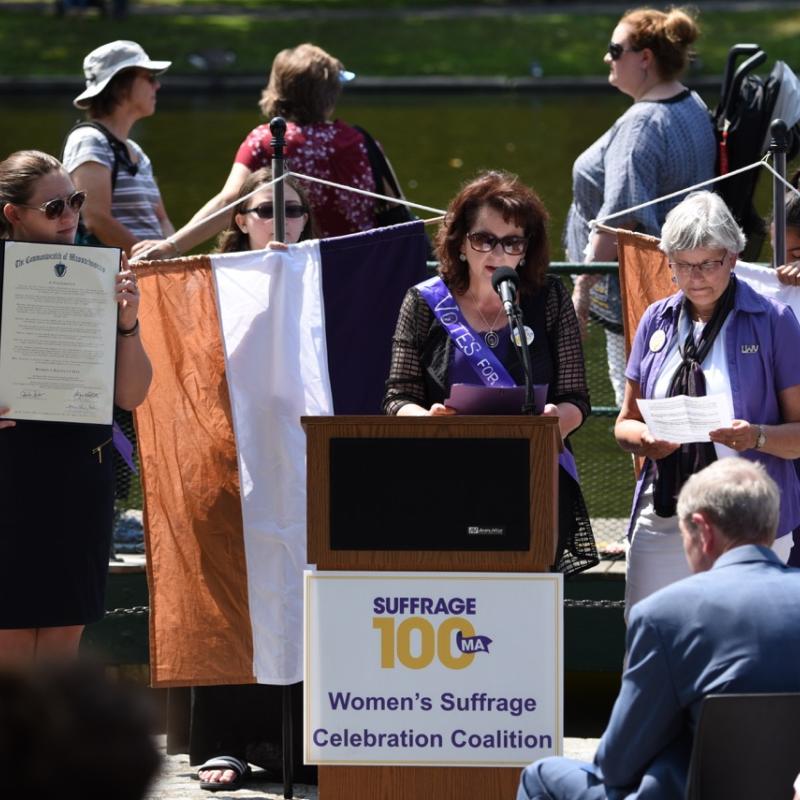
x,y
505,281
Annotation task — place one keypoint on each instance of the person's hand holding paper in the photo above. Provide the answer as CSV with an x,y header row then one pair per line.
x,y
655,449
740,435
683,419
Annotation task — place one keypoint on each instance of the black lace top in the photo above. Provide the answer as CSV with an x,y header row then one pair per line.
x,y
422,352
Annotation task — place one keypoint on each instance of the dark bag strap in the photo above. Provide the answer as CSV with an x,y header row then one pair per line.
x,y
380,166
382,169
118,148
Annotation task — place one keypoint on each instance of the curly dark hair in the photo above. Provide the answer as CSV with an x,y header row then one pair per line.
x,y
233,239
506,194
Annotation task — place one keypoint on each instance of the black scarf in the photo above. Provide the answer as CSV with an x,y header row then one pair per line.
x,y
674,470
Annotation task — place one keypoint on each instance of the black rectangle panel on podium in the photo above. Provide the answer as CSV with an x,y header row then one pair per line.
x,y
429,494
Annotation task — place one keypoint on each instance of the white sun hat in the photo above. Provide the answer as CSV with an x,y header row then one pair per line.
x,y
103,63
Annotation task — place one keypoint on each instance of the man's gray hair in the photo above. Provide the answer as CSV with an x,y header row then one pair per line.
x,y
738,497
701,220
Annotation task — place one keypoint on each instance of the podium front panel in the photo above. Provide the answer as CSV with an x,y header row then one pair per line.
x,y
430,494
401,493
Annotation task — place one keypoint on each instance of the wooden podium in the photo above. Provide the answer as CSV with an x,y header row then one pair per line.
x,y
382,494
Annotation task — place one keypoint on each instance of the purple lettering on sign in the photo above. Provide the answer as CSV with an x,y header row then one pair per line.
x,y
502,739
406,738
472,644
458,606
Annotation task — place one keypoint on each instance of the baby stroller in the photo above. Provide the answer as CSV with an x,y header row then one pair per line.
x,y
747,106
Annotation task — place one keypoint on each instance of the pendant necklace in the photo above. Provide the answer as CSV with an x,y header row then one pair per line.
x,y
490,335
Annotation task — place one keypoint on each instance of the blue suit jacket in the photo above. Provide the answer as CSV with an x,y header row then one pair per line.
x,y
735,628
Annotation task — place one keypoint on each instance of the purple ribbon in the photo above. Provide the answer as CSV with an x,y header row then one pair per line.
x,y
124,446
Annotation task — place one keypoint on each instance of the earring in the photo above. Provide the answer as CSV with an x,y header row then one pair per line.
x,y
674,279
462,257
521,262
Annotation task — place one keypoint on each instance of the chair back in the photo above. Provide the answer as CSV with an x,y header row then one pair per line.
x,y
746,746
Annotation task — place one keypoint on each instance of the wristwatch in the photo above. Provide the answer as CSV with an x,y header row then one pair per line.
x,y
762,437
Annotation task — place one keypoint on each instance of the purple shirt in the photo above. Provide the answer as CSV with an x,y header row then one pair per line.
x,y
762,342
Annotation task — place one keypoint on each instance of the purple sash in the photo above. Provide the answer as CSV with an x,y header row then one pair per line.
x,y
483,361
479,356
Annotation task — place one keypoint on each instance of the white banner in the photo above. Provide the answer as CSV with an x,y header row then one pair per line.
x,y
271,316
433,669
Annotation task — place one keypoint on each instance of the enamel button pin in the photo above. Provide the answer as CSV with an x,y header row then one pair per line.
x,y
657,341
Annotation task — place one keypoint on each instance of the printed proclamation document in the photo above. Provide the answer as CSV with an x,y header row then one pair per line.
x,y
58,323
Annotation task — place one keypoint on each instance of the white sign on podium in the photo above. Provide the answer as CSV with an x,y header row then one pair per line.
x,y
433,668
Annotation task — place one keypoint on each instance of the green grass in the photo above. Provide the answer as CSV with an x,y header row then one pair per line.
x,y
409,44
203,6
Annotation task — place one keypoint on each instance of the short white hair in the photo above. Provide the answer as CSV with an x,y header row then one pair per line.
x,y
738,496
701,220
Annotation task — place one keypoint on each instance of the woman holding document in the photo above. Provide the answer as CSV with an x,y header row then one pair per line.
x,y
494,221
57,482
715,336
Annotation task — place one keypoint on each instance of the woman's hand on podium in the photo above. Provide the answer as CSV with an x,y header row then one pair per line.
x,y
415,410
569,416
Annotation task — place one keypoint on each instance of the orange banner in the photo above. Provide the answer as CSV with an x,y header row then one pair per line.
x,y
644,277
200,631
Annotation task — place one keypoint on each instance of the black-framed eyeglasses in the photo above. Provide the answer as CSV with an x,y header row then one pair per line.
x,y
704,267
54,208
486,242
266,210
615,50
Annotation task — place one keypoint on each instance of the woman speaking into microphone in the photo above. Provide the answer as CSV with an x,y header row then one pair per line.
x,y
448,325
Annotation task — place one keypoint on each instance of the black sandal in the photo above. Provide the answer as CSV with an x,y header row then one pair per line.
x,y
238,766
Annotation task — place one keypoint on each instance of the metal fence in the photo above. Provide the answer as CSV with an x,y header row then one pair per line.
x,y
606,471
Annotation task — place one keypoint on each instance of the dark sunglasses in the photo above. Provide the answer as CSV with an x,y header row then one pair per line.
x,y
615,50
267,211
54,208
486,242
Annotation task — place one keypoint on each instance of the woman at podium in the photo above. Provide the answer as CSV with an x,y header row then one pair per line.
x,y
452,329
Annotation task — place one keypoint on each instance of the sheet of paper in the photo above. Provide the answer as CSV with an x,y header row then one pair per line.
x,y
683,419
58,339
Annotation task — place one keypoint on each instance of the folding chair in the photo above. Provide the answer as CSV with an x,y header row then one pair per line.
x,y
746,747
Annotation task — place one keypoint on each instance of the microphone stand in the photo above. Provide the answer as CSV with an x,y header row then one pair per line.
x,y
277,127
515,322
778,147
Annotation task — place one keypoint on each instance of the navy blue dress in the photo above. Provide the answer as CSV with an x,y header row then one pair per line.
x,y
56,516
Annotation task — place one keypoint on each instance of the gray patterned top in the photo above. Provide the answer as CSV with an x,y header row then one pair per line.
x,y
135,197
653,149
